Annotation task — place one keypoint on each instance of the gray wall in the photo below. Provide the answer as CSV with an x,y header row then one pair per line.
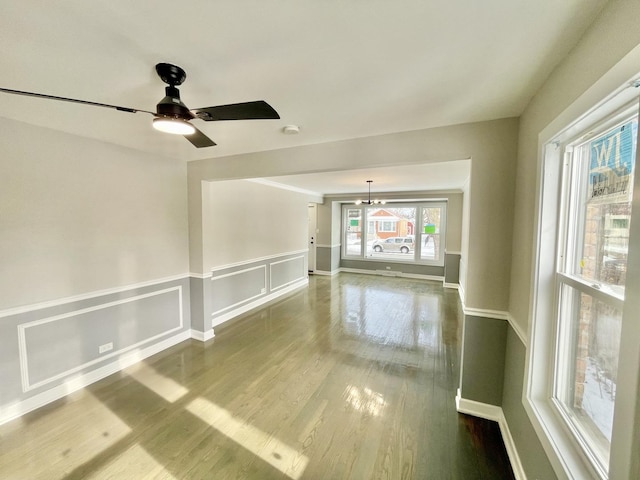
x,y
94,250
254,282
491,146
532,455
451,268
254,246
483,359
607,56
43,348
80,216
244,220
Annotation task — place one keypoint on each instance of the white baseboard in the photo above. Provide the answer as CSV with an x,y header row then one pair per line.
x,y
77,382
202,336
323,272
494,413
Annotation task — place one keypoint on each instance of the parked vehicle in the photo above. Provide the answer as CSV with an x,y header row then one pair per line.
x,y
394,244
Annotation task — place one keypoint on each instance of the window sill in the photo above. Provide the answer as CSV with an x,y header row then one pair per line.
x,y
567,458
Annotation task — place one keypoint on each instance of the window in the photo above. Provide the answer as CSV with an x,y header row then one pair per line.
x,y
590,280
353,231
580,303
401,232
387,226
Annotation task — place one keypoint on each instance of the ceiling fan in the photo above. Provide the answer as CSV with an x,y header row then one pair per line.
x,y
173,116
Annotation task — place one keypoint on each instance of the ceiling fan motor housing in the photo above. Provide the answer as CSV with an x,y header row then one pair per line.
x,y
172,106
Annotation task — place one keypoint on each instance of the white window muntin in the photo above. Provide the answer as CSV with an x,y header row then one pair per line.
x,y
418,232
566,452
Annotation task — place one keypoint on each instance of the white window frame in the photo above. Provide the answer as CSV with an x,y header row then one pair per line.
x,y
568,457
418,233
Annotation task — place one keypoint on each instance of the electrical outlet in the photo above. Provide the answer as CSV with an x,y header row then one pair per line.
x,y
105,348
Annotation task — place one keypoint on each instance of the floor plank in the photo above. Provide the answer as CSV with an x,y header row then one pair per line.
x,y
353,378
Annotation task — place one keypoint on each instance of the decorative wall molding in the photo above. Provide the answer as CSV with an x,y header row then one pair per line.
x,y
494,413
450,285
24,353
215,321
70,385
244,300
522,335
303,273
481,312
89,295
258,260
201,276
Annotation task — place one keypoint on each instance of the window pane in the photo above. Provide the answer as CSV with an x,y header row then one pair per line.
x,y
604,210
393,234
586,374
431,233
353,232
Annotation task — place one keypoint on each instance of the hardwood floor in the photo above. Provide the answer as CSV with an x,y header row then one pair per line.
x,y
352,378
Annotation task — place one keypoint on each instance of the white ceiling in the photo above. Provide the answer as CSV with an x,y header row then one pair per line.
x,y
338,69
443,176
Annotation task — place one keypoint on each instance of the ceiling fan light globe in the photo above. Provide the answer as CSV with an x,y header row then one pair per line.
x,y
175,126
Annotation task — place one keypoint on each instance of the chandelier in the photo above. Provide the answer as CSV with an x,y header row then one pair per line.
x,y
370,202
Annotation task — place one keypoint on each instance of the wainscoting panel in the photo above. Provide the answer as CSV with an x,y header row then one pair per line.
x,y
55,347
51,349
286,272
235,288
239,287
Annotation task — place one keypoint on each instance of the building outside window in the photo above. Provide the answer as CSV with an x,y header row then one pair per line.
x,y
401,232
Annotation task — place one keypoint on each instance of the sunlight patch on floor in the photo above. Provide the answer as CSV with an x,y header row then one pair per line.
x,y
163,386
286,459
61,440
365,400
134,462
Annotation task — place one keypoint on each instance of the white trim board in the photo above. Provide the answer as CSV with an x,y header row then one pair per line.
x,y
494,413
257,260
323,272
263,288
481,312
89,295
17,409
22,344
522,335
290,282
216,321
202,336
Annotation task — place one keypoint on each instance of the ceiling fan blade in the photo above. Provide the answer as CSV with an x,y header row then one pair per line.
x,y
258,110
200,140
73,100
